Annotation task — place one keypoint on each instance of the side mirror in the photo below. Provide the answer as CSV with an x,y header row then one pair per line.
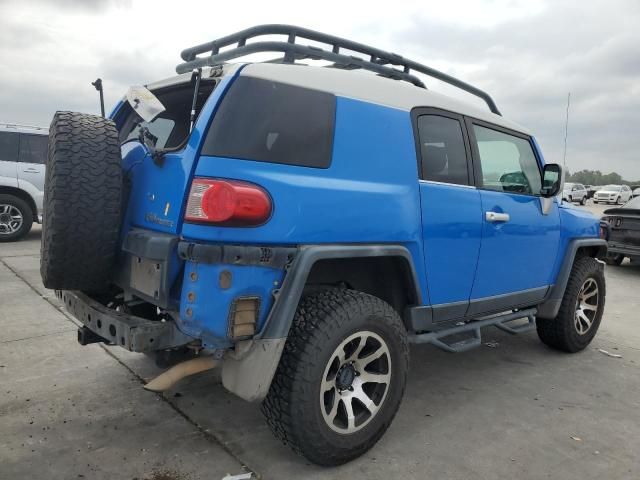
x,y
551,180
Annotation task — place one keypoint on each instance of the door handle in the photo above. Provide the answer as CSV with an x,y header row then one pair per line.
x,y
30,170
495,217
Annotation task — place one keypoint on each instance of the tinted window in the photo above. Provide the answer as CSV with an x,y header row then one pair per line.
x,y
273,122
508,163
33,148
442,150
8,146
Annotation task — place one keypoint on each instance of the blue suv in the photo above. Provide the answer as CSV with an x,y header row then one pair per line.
x,y
299,226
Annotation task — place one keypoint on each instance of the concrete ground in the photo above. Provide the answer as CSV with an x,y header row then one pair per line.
x,y
513,410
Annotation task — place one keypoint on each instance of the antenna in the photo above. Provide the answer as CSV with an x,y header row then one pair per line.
x,y
98,85
566,131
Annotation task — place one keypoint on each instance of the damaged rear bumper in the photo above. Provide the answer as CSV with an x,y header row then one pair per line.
x,y
128,331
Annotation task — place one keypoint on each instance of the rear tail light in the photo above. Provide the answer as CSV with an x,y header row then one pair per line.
x,y
227,203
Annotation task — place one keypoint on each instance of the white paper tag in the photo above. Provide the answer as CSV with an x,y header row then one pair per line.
x,y
144,103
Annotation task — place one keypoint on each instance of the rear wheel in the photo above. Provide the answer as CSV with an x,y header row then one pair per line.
x,y
581,309
16,218
341,377
82,202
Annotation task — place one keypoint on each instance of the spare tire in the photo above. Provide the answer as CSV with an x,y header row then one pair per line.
x,y
82,203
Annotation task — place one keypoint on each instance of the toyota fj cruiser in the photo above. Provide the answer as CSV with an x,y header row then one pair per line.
x,y
299,226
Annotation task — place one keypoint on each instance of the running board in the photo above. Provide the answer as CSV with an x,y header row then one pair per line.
x,y
499,321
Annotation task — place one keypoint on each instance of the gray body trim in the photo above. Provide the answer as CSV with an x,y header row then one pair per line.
x,y
440,316
550,307
287,298
249,374
498,303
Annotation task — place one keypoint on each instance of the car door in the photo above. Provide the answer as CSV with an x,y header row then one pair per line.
x,y
31,165
520,236
9,143
451,210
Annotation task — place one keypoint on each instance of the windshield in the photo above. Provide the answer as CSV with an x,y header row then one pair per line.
x,y
611,188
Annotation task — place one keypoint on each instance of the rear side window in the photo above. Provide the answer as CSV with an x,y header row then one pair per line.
x,y
273,122
508,163
33,148
8,146
442,150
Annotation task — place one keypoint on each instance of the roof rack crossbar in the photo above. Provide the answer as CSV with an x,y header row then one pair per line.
x,y
383,63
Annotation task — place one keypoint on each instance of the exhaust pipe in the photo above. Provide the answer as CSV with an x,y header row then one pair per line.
x,y
168,379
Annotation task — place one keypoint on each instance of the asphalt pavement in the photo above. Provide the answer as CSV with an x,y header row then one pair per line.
x,y
510,409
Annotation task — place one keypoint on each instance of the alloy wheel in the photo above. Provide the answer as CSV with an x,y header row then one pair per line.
x,y
355,382
10,219
586,306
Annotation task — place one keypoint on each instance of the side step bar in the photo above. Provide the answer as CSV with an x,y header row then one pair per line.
x,y
500,321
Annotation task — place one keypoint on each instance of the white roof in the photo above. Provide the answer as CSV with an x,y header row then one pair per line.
x,y
362,85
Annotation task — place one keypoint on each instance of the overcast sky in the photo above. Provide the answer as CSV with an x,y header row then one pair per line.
x,y
526,54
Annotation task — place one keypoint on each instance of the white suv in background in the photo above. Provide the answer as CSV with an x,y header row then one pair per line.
x,y
23,152
617,194
574,192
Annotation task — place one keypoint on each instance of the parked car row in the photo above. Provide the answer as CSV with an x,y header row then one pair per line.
x,y
618,194
23,150
622,227
579,193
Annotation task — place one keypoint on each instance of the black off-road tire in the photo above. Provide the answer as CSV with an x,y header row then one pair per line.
x,y
292,406
583,201
561,332
27,217
82,202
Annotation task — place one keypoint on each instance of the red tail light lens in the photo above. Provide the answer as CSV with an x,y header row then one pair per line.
x,y
227,202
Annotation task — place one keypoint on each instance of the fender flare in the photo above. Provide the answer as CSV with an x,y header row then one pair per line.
x,y
249,370
550,307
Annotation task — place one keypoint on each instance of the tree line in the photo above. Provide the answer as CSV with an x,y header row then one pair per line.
x,y
596,177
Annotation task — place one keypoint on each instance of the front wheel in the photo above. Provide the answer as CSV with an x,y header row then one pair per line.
x,y
583,201
341,377
618,201
580,311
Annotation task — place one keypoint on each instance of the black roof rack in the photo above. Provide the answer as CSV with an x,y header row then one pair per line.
x,y
379,61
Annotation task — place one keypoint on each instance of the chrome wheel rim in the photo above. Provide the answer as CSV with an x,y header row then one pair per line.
x,y
586,306
10,219
355,382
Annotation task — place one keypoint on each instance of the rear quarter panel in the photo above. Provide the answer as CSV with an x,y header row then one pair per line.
x,y
369,194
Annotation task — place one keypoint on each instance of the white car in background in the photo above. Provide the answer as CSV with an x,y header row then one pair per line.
x,y
636,192
574,192
23,152
617,194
